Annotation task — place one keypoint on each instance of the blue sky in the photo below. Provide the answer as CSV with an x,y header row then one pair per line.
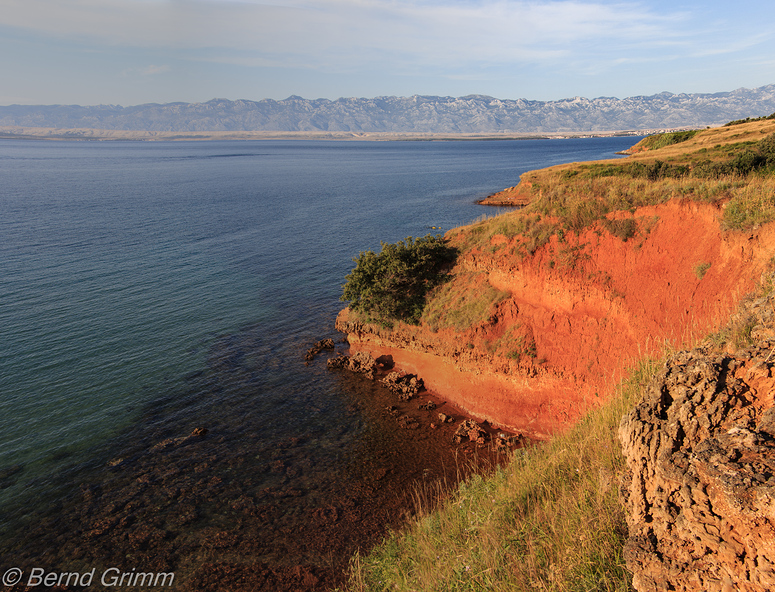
x,y
130,52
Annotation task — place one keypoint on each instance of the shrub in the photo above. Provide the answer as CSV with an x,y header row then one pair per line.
x,y
656,170
666,139
392,285
749,119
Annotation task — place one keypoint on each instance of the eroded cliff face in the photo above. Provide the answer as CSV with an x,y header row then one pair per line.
x,y
699,489
578,311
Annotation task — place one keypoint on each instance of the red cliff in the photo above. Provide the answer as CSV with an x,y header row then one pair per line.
x,y
574,313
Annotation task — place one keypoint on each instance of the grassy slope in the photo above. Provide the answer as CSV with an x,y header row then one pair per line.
x,y
550,519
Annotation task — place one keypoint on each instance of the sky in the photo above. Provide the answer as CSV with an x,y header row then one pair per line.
x,y
129,52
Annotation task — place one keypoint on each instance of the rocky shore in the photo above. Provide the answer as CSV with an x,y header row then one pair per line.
x,y
263,506
407,387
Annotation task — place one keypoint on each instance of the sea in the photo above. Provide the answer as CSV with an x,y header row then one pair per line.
x,y
156,303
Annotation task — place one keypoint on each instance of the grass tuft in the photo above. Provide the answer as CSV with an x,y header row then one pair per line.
x,y
701,269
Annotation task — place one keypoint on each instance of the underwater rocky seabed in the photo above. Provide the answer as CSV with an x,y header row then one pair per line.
x,y
238,503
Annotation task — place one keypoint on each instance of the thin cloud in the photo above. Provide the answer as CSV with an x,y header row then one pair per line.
x,y
455,38
154,70
150,70
492,30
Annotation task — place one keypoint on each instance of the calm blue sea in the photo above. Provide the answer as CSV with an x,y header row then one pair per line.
x,y
137,278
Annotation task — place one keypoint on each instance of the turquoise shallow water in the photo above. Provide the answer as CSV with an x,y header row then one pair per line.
x,y
148,288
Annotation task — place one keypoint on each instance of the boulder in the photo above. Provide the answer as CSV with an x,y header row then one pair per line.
x,y
319,347
406,386
471,431
360,363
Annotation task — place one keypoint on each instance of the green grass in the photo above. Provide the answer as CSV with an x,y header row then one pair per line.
x,y
661,140
582,202
466,301
550,519
751,205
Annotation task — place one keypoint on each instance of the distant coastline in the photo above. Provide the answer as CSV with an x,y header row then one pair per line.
x,y
101,135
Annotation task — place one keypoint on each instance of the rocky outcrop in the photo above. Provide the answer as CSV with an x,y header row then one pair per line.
x,y
323,344
469,430
699,489
359,362
406,386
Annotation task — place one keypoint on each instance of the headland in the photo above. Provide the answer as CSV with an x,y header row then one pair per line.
x,y
549,325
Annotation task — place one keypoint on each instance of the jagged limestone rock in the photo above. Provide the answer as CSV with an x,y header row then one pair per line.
x,y
699,489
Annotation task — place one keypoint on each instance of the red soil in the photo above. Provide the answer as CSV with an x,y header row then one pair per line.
x,y
592,304
519,195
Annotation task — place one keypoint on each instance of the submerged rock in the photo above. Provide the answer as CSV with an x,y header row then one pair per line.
x,y
408,422
196,434
327,344
9,475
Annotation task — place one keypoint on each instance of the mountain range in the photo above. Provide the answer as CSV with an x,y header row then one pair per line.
x,y
415,114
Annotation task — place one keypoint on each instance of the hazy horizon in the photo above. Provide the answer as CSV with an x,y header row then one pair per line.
x,y
133,52
345,98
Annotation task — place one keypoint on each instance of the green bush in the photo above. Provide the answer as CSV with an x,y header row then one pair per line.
x,y
701,269
392,285
745,159
656,170
667,139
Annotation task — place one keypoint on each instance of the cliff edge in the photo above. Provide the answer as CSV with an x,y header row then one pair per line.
x,y
547,306
568,319
544,311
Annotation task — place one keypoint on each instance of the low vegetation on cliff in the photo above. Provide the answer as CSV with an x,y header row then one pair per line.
x,y
551,518
392,285
730,166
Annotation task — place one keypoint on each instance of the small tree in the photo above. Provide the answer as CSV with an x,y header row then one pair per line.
x,y
393,284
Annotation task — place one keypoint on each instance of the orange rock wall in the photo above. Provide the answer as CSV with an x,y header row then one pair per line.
x,y
593,304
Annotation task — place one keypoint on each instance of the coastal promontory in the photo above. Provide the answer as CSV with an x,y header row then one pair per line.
x,y
548,310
